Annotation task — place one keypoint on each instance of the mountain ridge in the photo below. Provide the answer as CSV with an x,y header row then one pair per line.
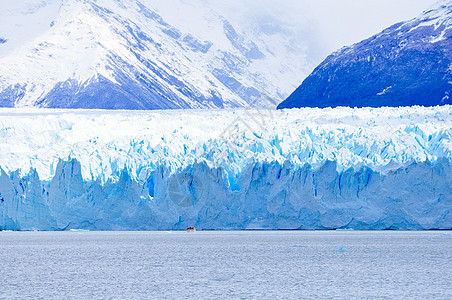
x,y
409,63
124,55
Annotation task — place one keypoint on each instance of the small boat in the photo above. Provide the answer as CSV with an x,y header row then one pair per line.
x,y
191,229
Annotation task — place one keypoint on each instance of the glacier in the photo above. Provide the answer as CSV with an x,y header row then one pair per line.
x,y
342,168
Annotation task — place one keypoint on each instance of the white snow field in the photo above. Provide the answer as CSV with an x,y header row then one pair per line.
x,y
148,54
366,168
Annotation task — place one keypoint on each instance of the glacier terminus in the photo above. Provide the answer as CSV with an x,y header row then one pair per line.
x,y
342,168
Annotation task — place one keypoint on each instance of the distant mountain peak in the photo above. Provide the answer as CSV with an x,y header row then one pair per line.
x,y
125,54
409,63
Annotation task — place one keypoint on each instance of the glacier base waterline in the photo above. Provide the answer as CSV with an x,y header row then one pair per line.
x,y
385,168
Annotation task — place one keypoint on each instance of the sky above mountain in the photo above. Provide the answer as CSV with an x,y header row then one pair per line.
x,y
346,22
336,23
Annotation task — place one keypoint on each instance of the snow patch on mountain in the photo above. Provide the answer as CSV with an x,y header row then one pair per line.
x,y
143,55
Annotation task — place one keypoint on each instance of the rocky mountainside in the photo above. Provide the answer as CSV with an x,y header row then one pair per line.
x,y
143,54
408,64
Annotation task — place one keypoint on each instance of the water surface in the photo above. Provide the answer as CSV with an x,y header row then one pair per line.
x,y
212,265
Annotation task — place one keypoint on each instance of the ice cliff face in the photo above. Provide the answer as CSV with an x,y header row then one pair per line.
x,y
308,168
407,64
142,54
264,196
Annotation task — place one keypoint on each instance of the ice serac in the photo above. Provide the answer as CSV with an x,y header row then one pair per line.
x,y
142,54
370,168
409,63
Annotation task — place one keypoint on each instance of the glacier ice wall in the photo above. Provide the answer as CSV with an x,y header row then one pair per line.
x,y
386,168
264,196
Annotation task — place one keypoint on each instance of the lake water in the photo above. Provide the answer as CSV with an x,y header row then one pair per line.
x,y
219,265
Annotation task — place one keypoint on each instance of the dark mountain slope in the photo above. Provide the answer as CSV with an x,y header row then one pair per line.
x,y
407,64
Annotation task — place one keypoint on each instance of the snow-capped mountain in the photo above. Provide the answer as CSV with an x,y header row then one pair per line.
x,y
369,168
409,63
143,54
